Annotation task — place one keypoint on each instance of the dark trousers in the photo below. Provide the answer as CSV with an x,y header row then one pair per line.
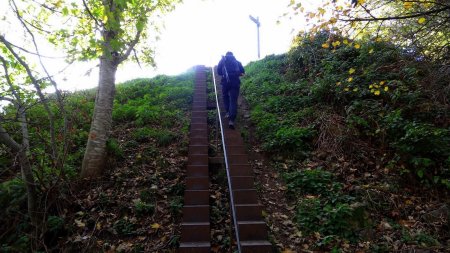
x,y
230,93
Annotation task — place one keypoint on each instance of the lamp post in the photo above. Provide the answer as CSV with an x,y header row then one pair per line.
x,y
258,24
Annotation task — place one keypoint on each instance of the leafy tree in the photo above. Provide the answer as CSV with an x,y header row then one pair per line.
x,y
422,26
21,86
108,30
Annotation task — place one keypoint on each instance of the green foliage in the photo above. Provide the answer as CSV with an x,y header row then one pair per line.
x,y
170,97
383,94
322,206
113,148
176,205
147,196
420,238
142,208
55,223
315,182
162,137
12,196
124,227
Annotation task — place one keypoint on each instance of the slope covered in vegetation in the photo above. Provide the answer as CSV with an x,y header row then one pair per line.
x,y
136,206
360,132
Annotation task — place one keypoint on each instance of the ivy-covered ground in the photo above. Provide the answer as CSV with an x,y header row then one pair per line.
x,y
355,136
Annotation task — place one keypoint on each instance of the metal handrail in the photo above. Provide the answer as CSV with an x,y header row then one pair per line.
x,y
233,209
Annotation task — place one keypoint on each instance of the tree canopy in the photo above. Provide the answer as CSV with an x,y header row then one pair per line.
x,y
422,26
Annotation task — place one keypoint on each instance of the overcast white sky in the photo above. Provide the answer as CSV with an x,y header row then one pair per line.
x,y
198,32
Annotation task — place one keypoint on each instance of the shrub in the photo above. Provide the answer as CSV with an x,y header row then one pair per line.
x,y
113,148
315,181
142,208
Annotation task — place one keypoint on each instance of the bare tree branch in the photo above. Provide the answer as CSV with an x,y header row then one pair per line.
x,y
397,17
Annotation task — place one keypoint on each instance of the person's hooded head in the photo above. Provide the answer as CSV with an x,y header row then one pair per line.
x,y
229,55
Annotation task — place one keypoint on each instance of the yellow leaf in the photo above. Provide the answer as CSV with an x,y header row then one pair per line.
x,y
382,82
379,39
370,86
350,79
407,5
155,226
357,46
336,43
333,20
321,11
355,89
338,83
346,89
351,71
361,2
345,42
386,88
377,92
325,45
371,51
421,20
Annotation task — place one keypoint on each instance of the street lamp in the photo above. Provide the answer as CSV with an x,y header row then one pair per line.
x,y
258,24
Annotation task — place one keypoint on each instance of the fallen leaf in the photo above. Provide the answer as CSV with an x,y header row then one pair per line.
x,y
80,224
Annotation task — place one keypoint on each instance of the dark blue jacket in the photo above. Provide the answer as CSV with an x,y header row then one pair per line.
x,y
233,75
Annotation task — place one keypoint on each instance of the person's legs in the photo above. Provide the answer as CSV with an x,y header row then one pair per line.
x,y
234,94
226,97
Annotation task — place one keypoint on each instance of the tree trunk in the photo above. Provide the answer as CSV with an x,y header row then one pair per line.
x,y
95,155
27,174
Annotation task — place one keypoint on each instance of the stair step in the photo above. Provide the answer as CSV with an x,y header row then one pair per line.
x,y
196,213
198,140
202,113
252,230
240,170
240,183
198,160
256,247
198,149
245,197
238,159
195,232
249,212
197,171
197,183
195,247
196,197
199,126
199,120
198,133
236,150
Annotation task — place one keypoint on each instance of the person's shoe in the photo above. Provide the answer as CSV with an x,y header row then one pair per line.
x,y
231,124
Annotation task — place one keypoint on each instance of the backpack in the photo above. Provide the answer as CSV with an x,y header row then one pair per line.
x,y
231,68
